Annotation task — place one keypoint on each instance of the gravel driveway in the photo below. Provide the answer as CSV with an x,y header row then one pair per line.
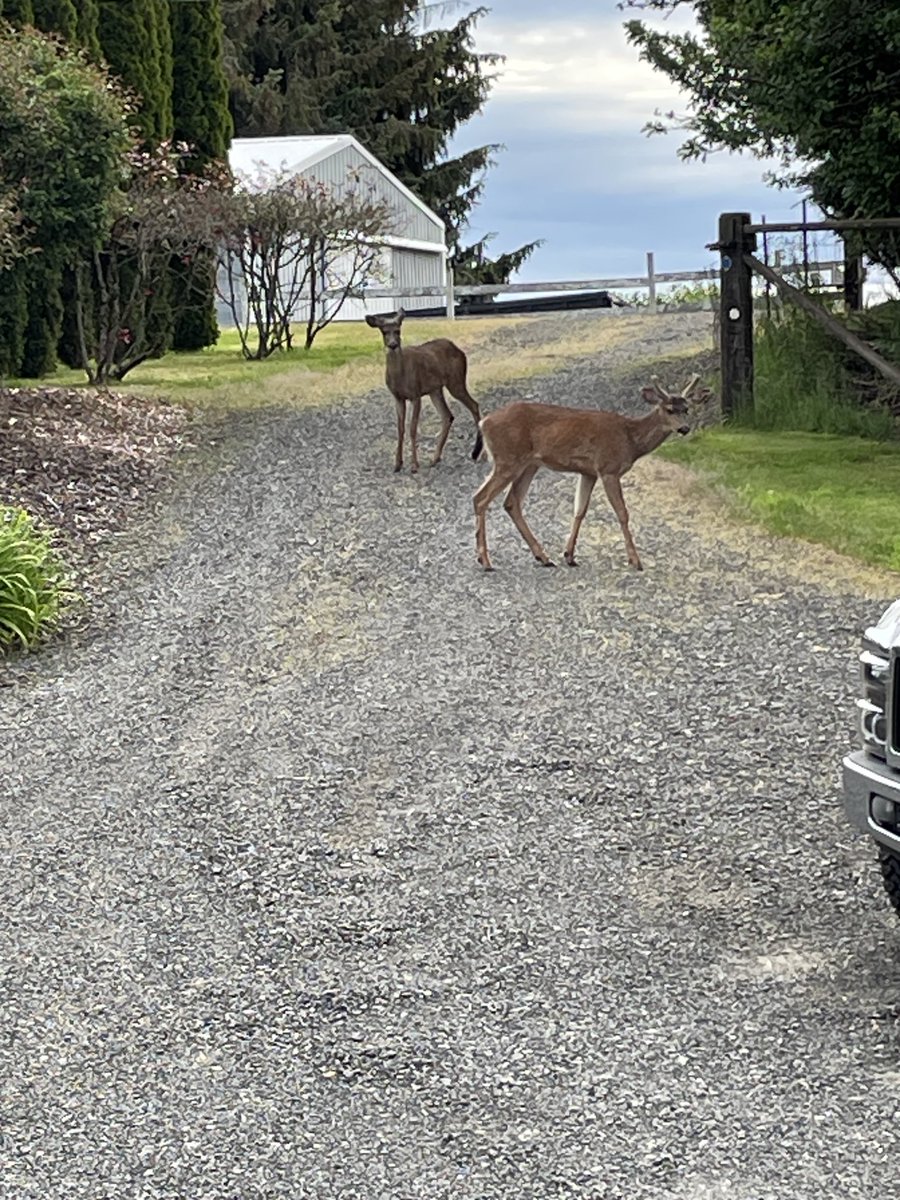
x,y
335,868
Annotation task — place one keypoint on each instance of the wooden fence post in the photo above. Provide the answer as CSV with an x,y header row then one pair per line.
x,y
651,282
736,311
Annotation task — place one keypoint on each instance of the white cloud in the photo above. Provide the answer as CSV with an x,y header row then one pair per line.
x,y
569,105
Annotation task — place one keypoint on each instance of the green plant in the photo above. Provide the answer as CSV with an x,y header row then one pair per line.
x,y
802,383
691,293
34,588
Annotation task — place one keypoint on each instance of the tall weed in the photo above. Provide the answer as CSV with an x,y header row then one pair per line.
x,y
802,383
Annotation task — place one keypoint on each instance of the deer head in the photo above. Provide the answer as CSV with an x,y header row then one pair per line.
x,y
674,408
389,324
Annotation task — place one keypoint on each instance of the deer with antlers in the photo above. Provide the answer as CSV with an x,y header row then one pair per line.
x,y
523,437
412,372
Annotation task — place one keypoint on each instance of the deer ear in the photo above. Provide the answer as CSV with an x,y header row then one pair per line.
x,y
650,394
373,321
400,314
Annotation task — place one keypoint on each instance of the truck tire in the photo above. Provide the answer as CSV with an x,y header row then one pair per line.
x,y
890,874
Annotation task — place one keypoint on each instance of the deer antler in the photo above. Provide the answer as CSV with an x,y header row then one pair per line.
x,y
656,387
691,384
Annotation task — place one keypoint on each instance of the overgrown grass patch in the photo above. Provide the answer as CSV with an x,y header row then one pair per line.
x,y
840,492
34,588
802,382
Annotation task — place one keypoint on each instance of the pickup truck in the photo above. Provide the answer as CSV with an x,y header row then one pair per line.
x,y
872,773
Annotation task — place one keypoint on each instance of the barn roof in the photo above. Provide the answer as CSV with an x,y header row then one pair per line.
x,y
298,154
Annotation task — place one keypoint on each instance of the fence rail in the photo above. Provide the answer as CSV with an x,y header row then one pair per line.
x,y
648,283
565,285
836,226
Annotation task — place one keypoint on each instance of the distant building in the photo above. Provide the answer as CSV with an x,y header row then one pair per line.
x,y
415,256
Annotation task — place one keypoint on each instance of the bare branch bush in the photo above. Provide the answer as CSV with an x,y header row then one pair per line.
x,y
289,244
160,213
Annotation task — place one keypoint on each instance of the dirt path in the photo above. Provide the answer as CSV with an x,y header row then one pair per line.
x,y
334,868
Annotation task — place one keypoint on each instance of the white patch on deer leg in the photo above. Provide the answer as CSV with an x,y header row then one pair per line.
x,y
582,495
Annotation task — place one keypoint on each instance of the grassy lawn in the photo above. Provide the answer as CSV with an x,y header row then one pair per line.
x,y
840,492
346,359
224,364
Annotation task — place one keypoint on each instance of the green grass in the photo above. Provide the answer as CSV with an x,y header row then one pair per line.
x,y
802,383
224,364
840,492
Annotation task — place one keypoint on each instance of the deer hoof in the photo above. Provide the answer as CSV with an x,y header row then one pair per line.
x,y
485,563
398,467
570,560
545,562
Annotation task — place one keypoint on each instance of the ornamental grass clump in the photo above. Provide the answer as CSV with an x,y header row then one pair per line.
x,y
34,586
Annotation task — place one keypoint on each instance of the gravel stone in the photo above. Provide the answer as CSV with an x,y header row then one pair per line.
x,y
336,868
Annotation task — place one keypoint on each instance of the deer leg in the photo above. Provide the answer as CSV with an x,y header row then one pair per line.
x,y
460,392
401,428
492,486
446,416
513,505
582,500
414,434
613,487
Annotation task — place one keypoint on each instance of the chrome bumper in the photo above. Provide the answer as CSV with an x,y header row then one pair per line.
x,y
865,778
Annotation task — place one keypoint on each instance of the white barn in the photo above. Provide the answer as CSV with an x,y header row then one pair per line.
x,y
414,257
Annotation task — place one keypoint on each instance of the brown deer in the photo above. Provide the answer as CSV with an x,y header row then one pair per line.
x,y
417,371
523,437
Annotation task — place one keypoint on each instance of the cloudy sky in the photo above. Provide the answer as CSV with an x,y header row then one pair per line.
x,y
577,170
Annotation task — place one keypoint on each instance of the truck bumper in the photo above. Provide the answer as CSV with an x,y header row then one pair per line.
x,y
870,789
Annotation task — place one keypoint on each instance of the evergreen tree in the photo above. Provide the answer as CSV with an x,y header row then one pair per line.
x,y
87,25
202,120
42,273
56,16
64,130
13,318
14,281
376,71
17,12
136,41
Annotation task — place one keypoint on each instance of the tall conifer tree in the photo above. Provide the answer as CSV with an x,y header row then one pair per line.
x,y
202,120
87,22
375,70
41,274
56,16
14,282
136,41
17,12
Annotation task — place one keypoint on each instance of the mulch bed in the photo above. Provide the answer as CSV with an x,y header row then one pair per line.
x,y
84,461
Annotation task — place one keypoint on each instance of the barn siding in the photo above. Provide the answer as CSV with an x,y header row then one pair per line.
x,y
401,267
411,222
